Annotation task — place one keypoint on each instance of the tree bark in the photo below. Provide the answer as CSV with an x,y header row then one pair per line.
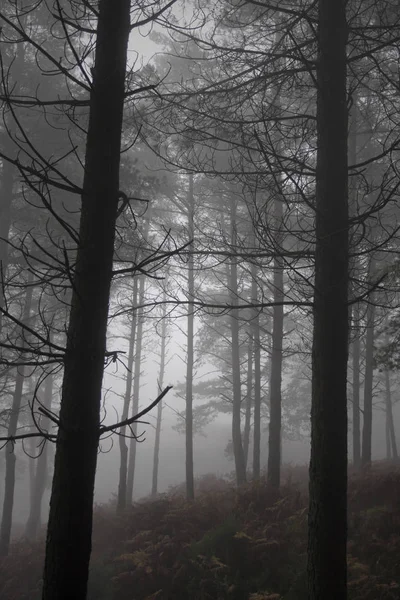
x,y
8,174
190,354
257,378
249,398
368,388
156,455
275,416
7,183
135,393
32,445
355,316
388,440
39,486
356,392
69,531
9,486
391,433
123,446
238,452
327,525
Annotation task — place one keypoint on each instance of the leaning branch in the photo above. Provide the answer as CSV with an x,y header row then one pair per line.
x,y
112,428
24,436
139,415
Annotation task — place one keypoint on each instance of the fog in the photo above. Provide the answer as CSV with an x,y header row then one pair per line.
x,y
199,275
210,446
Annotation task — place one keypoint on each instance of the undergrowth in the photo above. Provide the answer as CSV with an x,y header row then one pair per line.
x,y
245,545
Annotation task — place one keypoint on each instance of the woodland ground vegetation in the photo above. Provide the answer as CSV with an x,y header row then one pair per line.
x,y
247,544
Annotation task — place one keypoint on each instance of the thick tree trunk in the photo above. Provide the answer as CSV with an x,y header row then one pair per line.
x,y
249,398
275,416
69,532
190,354
257,377
356,392
135,393
368,388
238,453
123,446
327,536
391,433
39,486
156,455
9,486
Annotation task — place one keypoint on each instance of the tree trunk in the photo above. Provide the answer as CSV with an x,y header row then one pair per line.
x,y
34,519
135,393
356,392
9,486
249,393
69,532
355,316
190,354
275,416
123,446
257,377
8,172
388,440
156,455
368,388
32,465
327,524
31,387
238,453
7,183
391,434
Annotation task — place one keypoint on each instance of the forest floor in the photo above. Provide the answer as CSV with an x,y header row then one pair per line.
x,y
235,545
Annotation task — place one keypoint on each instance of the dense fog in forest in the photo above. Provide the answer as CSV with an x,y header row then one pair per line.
x,y
199,299
210,453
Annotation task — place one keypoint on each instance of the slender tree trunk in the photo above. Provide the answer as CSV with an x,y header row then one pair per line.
x,y
123,446
7,182
9,487
275,404
32,466
356,392
34,519
249,394
355,316
238,452
8,172
135,393
156,455
69,532
190,354
275,418
387,438
327,523
368,388
31,386
257,377
391,434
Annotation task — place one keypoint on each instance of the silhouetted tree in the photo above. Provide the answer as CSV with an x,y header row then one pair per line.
x,y
327,522
123,446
